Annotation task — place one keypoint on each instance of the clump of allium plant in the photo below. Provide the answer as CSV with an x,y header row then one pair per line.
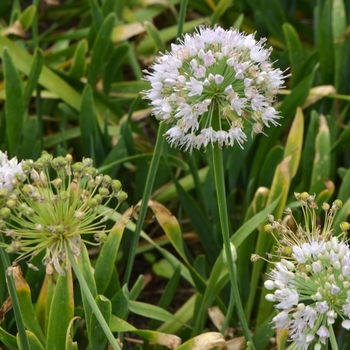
x,y
311,279
211,85
49,204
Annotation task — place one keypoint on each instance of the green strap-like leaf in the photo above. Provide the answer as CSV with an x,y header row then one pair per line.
x,y
324,40
51,81
220,9
27,309
99,49
61,312
322,161
117,324
14,107
88,122
99,340
152,311
33,342
30,134
27,16
295,51
35,70
8,339
78,67
106,259
86,270
153,32
43,302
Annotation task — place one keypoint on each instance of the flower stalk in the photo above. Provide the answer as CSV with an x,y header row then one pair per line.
x,y
221,199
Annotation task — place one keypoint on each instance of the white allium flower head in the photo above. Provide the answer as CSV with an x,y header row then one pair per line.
x,y
310,278
215,79
10,170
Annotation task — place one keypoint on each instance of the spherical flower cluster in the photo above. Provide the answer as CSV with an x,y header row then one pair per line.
x,y
210,85
311,282
39,214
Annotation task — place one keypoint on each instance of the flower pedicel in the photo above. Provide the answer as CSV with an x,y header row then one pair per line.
x,y
51,216
214,70
311,280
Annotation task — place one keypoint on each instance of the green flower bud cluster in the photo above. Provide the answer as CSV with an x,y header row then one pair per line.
x,y
52,203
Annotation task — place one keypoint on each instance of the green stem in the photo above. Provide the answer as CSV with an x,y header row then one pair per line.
x,y
333,341
182,17
145,198
84,287
221,198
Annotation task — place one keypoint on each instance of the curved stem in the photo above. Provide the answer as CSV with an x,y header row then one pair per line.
x,y
85,288
221,198
145,198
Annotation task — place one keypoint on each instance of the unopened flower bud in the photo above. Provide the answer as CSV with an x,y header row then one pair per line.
x,y
87,162
3,192
257,129
29,212
103,191
337,204
344,226
122,196
92,202
79,215
58,163
337,265
34,175
39,228
325,206
269,285
92,184
57,183
63,196
116,185
78,167
60,229
98,198
106,180
270,297
11,203
5,213
90,172
304,196
101,237
268,228
69,158
14,247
